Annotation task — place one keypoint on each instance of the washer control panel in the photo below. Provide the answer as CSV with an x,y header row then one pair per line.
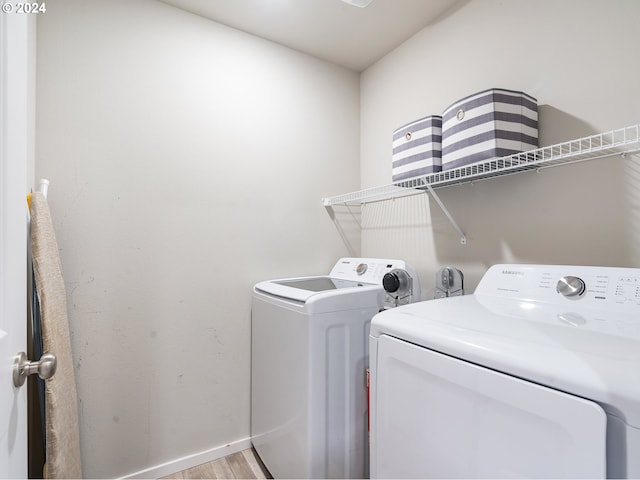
x,y
365,270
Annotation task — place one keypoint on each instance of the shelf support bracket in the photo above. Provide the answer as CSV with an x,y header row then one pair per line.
x,y
463,238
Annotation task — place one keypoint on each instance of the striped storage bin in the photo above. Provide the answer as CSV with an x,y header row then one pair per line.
x,y
416,149
488,124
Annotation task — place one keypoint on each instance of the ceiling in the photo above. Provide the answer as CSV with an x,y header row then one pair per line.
x,y
328,29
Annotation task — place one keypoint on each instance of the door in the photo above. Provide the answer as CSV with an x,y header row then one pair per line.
x,y
440,417
16,147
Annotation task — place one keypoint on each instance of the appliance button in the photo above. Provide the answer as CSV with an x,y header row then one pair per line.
x,y
570,286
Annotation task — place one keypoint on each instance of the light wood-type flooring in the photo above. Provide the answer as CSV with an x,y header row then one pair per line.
x,y
244,464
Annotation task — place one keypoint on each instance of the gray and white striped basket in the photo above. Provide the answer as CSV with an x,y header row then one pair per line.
x,y
416,148
492,123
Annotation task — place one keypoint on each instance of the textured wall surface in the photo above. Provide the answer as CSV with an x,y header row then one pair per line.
x,y
187,162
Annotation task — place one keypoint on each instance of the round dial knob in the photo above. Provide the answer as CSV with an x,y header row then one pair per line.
x,y
361,268
570,286
390,282
397,282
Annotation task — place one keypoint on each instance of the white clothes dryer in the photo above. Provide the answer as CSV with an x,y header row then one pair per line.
x,y
309,355
536,375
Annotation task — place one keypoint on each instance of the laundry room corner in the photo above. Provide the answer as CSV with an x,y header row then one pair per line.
x,y
196,167
583,213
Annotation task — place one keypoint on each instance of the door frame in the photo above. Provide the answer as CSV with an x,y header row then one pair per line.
x,y
17,153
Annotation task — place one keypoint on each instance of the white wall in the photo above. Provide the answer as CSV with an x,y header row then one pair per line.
x,y
187,161
580,60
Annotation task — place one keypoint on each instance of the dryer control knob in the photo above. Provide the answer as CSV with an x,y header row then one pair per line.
x,y
390,282
397,282
570,286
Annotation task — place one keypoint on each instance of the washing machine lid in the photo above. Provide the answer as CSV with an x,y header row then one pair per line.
x,y
302,289
318,284
568,345
315,295
357,278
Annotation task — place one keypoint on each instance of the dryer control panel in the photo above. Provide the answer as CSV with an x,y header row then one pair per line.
x,y
611,288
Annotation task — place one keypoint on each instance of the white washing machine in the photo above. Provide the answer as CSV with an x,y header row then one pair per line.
x,y
309,346
536,375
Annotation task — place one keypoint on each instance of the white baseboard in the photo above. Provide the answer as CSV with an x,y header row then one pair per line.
x,y
192,460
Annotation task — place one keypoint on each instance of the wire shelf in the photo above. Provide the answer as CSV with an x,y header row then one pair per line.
x,y
616,142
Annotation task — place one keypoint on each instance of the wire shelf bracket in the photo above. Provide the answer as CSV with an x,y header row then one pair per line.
x,y
454,224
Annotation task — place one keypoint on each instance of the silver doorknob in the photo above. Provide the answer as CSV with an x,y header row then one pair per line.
x,y
22,367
